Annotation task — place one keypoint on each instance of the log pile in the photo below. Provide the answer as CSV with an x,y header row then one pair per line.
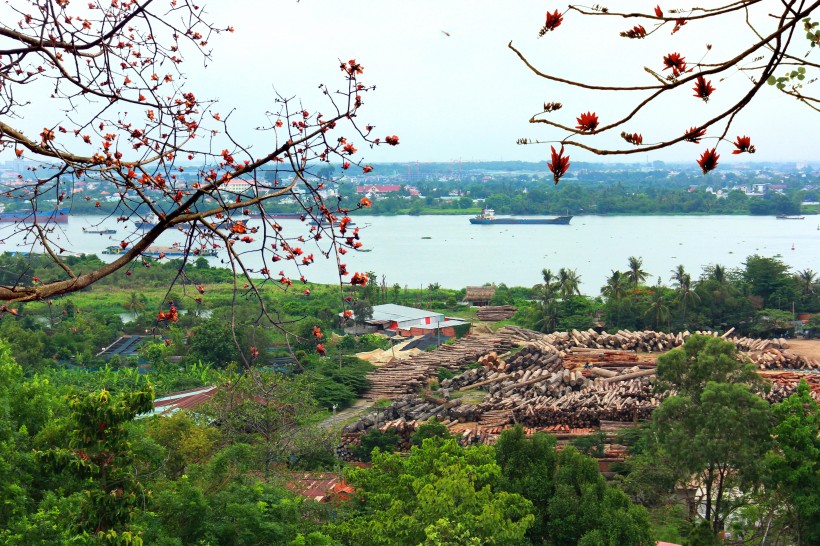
x,y
406,376
495,313
567,380
785,383
774,359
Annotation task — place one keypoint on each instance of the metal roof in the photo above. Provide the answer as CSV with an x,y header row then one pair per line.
x,y
175,401
392,312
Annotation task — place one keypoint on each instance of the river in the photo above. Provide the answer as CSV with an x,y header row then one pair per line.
x,y
415,251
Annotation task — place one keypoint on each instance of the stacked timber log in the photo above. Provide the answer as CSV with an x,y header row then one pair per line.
x,y
776,359
626,340
495,313
414,409
403,377
567,379
785,383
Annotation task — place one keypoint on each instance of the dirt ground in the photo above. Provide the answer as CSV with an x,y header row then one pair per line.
x,y
809,348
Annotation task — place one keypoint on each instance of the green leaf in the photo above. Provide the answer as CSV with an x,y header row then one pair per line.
x,y
771,80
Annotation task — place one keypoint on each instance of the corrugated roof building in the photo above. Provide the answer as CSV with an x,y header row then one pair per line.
x,y
175,401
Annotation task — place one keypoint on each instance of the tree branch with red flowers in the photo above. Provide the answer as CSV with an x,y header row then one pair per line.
x,y
777,28
121,117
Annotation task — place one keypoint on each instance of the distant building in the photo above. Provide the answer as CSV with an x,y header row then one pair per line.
x,y
479,295
377,188
183,400
320,486
409,321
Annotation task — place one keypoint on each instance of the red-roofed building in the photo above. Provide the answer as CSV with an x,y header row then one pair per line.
x,y
320,486
190,399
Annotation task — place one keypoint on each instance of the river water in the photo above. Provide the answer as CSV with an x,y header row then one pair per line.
x,y
415,251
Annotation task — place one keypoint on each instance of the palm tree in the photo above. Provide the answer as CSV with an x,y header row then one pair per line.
x,y
547,320
635,273
686,294
658,310
547,290
614,290
615,287
677,276
718,274
568,280
136,303
807,278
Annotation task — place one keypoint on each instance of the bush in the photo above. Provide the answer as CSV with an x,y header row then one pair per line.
x,y
386,441
431,429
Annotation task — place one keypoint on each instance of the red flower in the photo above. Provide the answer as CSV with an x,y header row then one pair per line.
x,y
634,138
635,32
658,11
694,135
709,160
553,21
678,23
358,278
743,144
703,89
321,349
559,164
348,313
587,122
365,202
367,169
254,352
349,149
317,332
675,62
392,140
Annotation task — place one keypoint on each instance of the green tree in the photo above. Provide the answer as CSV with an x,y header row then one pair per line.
x,y
658,310
585,510
528,467
386,441
794,463
431,429
265,409
403,500
769,279
99,453
136,303
635,272
213,342
715,429
568,281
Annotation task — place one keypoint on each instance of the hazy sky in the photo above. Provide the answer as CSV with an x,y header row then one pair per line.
x,y
467,96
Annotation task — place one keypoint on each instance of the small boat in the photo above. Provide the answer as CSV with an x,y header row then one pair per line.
x,y
326,223
787,217
149,222
100,231
279,215
487,216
